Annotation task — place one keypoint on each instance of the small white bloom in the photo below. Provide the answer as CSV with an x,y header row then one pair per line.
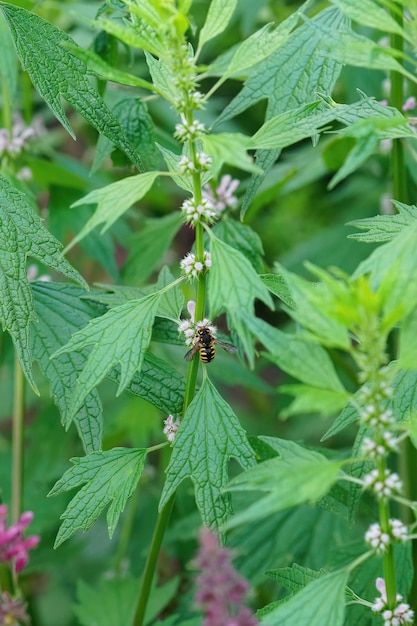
x,y
187,132
191,309
377,539
196,99
204,160
191,268
401,614
194,213
374,449
398,530
189,327
385,486
184,326
171,427
386,417
24,174
186,165
206,323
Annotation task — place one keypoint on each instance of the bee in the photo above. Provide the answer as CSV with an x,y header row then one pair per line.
x,y
205,344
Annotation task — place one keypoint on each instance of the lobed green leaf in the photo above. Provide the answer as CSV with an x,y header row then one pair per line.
x,y
233,286
294,578
383,228
392,269
243,238
113,602
23,234
310,399
305,360
230,148
109,478
321,308
288,83
368,13
209,435
147,39
56,72
408,341
350,48
218,17
296,477
256,47
233,283
113,201
8,63
321,602
98,66
158,383
61,312
277,285
120,337
138,127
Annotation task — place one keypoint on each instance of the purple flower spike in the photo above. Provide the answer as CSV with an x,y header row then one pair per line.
x,y
221,590
13,547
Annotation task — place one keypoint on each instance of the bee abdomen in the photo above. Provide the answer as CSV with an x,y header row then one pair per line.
x,y
207,353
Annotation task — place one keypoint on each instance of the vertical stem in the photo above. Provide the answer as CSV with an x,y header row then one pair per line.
x,y
158,535
408,456
399,181
17,440
389,562
164,515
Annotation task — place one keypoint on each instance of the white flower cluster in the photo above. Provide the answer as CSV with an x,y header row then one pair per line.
x,y
377,449
188,132
222,197
187,165
190,327
372,416
379,540
383,487
15,143
194,213
401,614
171,426
193,100
191,268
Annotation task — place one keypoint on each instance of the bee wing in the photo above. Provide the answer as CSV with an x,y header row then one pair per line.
x,y
190,354
227,346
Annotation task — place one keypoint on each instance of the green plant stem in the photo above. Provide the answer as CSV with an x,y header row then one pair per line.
x,y
399,182
151,561
17,440
408,470
164,515
389,562
408,457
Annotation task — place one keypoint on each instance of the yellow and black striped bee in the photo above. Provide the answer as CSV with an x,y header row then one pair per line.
x,y
205,344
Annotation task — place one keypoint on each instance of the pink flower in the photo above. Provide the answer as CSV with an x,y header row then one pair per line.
x,y
409,104
13,547
223,196
11,610
221,590
171,426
